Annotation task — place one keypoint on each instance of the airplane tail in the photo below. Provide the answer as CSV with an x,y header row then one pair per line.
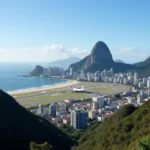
x,y
82,87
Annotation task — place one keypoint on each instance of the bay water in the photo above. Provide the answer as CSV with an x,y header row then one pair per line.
x,y
11,77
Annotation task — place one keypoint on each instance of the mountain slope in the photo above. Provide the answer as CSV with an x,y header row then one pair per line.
x,y
143,64
37,71
64,63
120,61
120,131
19,127
142,68
100,59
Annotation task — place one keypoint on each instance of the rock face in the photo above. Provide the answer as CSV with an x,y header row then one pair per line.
x,y
99,59
100,52
37,71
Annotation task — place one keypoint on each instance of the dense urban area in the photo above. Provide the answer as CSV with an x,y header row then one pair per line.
x,y
81,113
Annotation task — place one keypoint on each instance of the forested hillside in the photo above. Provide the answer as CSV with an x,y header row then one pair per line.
x,y
19,127
119,132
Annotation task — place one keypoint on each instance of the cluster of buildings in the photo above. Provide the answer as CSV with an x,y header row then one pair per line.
x,y
79,114
103,76
110,76
53,71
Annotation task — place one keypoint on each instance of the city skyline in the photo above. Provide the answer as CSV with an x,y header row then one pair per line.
x,y
42,30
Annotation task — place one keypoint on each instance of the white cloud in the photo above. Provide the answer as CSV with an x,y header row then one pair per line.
x,y
55,48
46,54
126,50
77,51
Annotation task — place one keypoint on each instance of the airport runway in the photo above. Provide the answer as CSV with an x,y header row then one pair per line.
x,y
119,87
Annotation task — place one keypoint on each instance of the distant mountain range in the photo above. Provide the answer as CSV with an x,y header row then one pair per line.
x,y
19,127
64,63
120,61
100,59
142,68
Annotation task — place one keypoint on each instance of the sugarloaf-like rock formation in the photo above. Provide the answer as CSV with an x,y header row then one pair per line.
x,y
100,59
100,52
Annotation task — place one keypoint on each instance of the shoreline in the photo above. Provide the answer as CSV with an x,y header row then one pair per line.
x,y
40,89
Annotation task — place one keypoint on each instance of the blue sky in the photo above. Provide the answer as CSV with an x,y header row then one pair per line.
x,y
46,30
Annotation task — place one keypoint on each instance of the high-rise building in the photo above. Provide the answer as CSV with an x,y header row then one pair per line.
x,y
82,75
144,81
95,105
104,73
148,83
109,101
55,71
63,107
141,84
91,114
79,119
111,72
136,81
124,80
58,113
89,77
130,78
100,100
96,76
121,80
139,99
71,71
50,71
41,109
52,109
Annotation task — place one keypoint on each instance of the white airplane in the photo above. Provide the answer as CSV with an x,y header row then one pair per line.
x,y
78,90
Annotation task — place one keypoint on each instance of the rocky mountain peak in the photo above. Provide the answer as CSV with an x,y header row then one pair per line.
x,y
100,52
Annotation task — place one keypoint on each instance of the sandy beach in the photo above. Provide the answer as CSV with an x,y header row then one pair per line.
x,y
40,89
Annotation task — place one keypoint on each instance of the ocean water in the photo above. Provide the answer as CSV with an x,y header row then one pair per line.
x,y
11,79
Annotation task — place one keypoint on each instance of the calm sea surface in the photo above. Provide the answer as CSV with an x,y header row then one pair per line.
x,y
11,80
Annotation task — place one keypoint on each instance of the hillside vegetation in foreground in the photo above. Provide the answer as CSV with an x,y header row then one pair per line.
x,y
19,127
120,131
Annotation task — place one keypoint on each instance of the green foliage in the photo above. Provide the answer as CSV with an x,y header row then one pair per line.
x,y
44,146
20,127
120,131
72,133
143,144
